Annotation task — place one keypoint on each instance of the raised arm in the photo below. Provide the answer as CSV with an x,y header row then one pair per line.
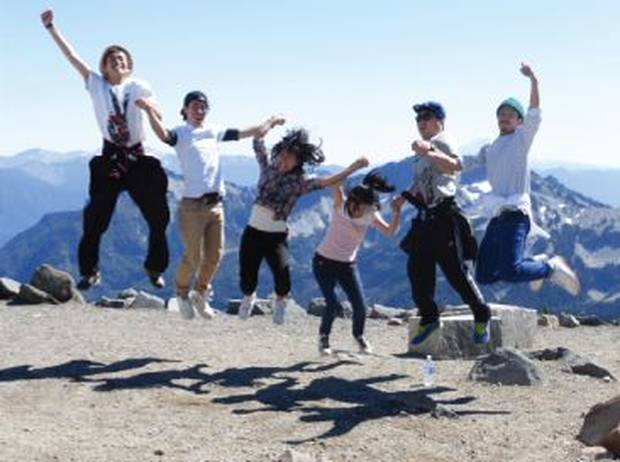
x,y
331,180
338,195
527,71
259,131
155,120
391,228
444,162
47,17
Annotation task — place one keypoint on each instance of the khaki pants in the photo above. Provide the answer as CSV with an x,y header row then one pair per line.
x,y
202,231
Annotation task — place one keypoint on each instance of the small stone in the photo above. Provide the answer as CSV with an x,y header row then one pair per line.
x,y
395,322
548,320
506,366
59,284
30,295
568,320
128,293
146,300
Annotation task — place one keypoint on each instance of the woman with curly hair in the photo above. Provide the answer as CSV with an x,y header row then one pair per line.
x,y
281,182
335,259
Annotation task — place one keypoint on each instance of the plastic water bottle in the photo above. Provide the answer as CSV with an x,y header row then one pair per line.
x,y
428,372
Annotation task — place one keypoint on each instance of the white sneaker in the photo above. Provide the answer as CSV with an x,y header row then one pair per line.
x,y
201,305
563,276
324,348
538,283
185,307
245,308
280,311
364,345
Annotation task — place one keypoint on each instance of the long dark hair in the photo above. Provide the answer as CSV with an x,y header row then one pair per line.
x,y
368,192
297,142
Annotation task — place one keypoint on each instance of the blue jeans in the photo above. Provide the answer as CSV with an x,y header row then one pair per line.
x,y
500,257
328,273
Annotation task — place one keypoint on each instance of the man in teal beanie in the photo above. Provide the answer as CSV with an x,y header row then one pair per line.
x,y
501,255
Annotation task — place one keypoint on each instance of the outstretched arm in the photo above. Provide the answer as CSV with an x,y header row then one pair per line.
x,y
259,131
527,71
392,228
47,17
155,120
331,180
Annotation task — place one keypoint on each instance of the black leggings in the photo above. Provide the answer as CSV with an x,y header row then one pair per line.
x,y
147,184
273,247
434,243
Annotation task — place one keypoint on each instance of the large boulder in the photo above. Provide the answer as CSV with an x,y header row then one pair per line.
x,y
59,284
317,306
511,326
30,295
506,366
601,426
9,288
146,300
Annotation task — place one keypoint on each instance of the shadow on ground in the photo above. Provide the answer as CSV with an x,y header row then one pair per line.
x,y
345,403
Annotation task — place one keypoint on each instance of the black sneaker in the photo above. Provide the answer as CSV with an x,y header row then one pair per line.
x,y
365,346
324,349
156,278
89,281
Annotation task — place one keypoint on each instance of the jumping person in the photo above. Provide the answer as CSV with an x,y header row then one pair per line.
x,y
123,165
440,233
501,256
201,212
335,259
282,181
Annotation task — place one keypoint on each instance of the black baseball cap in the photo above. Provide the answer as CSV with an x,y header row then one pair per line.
x,y
195,96
431,106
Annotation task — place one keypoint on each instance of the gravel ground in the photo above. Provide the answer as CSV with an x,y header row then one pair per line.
x,y
89,384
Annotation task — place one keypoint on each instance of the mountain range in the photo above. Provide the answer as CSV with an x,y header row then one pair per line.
x,y
583,230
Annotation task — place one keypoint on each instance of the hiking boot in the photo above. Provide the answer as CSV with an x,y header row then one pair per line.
x,y
280,311
156,278
185,307
424,331
89,281
324,349
563,276
245,308
201,305
364,345
482,333
536,285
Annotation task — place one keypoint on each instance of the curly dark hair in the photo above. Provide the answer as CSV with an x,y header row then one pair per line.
x,y
297,142
368,192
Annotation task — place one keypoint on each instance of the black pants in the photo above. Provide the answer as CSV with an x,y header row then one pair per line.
x,y
434,243
328,273
257,245
147,185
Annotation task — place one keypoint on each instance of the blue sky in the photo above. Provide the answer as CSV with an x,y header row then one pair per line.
x,y
347,70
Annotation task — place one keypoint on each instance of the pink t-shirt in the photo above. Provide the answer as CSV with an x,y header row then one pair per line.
x,y
345,235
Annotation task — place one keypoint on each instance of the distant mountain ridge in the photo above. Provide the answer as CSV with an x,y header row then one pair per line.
x,y
583,230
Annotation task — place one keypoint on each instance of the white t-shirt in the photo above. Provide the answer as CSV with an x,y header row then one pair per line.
x,y
120,120
199,156
345,235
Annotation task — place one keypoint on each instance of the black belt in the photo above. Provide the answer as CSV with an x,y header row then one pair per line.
x,y
120,157
210,198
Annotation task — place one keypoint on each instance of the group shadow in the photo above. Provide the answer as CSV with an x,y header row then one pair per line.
x,y
345,403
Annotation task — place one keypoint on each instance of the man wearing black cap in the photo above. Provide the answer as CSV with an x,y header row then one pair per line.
x,y
440,233
201,214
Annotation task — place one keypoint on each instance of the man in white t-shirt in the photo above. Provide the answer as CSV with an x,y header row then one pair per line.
x,y
123,165
201,213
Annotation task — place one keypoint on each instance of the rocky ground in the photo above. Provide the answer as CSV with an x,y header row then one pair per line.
x,y
90,384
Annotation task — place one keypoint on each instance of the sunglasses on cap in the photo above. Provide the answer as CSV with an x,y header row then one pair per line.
x,y
426,116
